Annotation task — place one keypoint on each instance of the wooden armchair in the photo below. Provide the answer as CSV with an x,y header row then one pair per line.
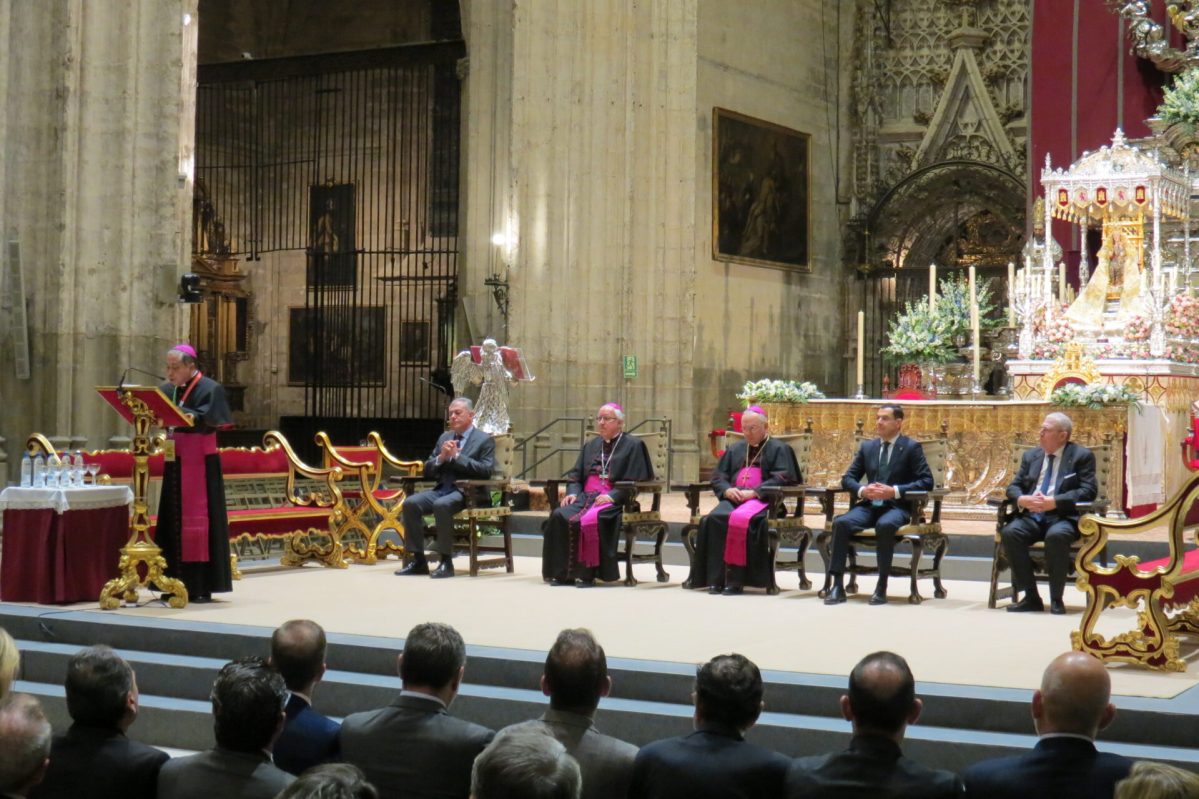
x,y
923,533
1006,511
1166,590
784,525
487,511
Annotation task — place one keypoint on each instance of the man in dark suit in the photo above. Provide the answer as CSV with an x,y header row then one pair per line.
x,y
102,701
1069,710
24,745
714,761
526,763
575,678
464,452
880,705
413,747
308,738
1053,478
884,469
247,708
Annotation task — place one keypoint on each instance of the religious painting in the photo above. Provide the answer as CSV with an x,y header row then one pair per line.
x,y
414,343
336,346
760,192
332,260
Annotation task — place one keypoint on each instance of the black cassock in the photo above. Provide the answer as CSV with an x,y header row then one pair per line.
x,y
207,403
779,468
559,548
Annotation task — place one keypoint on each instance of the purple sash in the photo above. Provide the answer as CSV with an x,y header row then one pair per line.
x,y
734,542
589,549
191,449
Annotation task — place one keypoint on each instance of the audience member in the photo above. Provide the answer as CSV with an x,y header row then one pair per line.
x,y
10,661
1068,711
414,747
526,763
1150,780
247,707
24,745
102,701
308,738
331,781
881,703
575,678
714,761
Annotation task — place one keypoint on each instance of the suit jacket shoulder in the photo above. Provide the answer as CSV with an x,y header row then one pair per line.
x,y
1069,768
111,765
605,762
870,767
220,772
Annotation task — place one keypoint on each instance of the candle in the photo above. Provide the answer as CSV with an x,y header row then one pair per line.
x,y
1011,294
861,345
932,289
1173,281
1061,281
974,322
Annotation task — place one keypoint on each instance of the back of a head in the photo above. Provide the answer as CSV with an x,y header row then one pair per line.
x,y
331,781
24,742
433,655
10,659
98,685
882,692
298,652
525,763
1075,692
576,671
247,700
1151,780
728,692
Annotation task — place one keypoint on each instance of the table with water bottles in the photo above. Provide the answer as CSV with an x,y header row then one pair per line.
x,y
62,536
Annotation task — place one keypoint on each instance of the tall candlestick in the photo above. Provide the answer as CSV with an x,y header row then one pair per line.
x,y
1011,294
861,345
932,289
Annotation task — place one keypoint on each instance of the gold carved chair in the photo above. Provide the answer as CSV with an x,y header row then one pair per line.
x,y
486,514
922,534
312,488
1006,511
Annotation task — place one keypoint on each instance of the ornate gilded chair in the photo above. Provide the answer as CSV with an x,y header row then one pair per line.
x,y
922,534
312,488
486,515
784,518
1006,511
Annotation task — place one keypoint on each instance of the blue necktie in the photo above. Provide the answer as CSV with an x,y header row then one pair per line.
x,y
1045,483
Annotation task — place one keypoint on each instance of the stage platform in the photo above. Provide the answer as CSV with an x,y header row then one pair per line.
x,y
976,667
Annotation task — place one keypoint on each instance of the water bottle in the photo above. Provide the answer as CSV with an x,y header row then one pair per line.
x,y
53,470
39,471
26,471
77,469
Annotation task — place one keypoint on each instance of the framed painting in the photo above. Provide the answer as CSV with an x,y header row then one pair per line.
x,y
332,257
414,343
761,192
336,346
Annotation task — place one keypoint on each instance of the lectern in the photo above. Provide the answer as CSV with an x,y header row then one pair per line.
x,y
142,563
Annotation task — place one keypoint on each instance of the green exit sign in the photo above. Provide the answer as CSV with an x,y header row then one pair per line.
x,y
630,366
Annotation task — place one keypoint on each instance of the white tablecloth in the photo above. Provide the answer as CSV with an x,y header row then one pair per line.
x,y
65,499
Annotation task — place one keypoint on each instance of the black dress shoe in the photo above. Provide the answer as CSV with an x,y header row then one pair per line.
x,y
1057,607
879,597
558,582
733,590
444,569
715,589
1030,604
202,599
585,582
836,595
415,567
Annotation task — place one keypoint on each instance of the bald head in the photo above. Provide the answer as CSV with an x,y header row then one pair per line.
x,y
882,695
1074,697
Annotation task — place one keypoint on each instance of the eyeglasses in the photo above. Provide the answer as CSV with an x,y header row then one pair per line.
x,y
605,419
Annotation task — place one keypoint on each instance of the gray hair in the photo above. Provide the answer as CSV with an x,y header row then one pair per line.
x,y
525,762
24,740
465,402
182,356
1060,422
617,411
756,415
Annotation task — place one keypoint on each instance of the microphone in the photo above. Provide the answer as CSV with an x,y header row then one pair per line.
x,y
128,369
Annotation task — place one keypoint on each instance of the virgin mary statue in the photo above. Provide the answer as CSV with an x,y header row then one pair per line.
x,y
1118,275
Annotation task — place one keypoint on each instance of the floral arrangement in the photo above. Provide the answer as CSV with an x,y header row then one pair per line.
x,y
953,303
1182,317
1180,102
768,390
917,336
1094,395
1052,332
1137,328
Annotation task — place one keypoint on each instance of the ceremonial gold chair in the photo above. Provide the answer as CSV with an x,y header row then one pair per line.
x,y
1006,511
784,525
922,534
312,488
486,514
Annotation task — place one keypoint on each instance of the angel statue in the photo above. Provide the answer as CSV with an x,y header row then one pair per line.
x,y
496,368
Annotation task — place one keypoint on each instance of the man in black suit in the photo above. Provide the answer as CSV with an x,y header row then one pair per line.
x,y
102,701
308,738
1053,478
1069,710
464,452
247,708
413,747
714,761
880,705
24,745
883,471
526,763
575,679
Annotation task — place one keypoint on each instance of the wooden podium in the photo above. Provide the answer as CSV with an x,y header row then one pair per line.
x,y
142,564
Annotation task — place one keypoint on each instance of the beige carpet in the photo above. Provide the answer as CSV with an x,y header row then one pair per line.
x,y
953,640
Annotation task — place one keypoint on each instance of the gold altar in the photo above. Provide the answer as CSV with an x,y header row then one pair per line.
x,y
980,437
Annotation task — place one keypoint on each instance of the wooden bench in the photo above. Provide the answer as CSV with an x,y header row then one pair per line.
x,y
1165,591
